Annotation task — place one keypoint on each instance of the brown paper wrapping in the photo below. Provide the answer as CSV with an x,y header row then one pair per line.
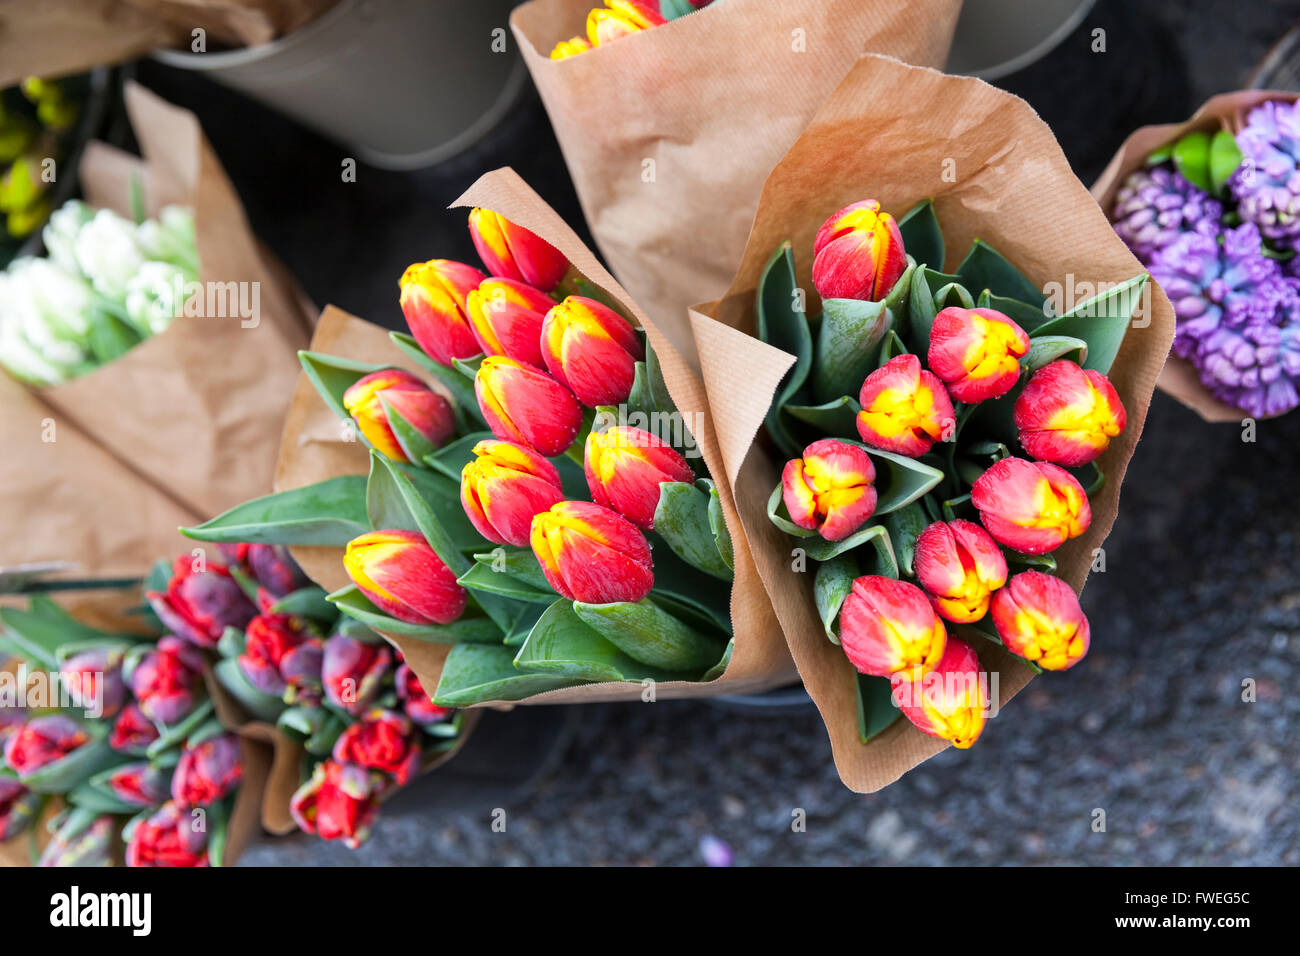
x,y
102,470
1225,111
1013,187
315,448
112,611
58,37
706,104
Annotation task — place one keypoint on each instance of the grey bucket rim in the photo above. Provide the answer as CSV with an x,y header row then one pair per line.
x,y
1035,53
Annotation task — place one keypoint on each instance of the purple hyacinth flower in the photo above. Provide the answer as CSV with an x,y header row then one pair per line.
x,y
1155,206
1211,284
1267,184
1246,368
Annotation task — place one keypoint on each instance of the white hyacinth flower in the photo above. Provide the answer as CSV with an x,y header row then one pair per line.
x,y
60,233
108,253
155,295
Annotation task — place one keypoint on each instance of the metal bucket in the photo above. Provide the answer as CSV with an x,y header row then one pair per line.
x,y
995,38
402,83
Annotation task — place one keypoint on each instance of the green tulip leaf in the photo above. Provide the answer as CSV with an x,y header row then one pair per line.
x,y
899,480
562,644
488,583
451,459
820,549
97,799
453,380
718,525
677,584
1046,349
1101,321
986,268
309,602
783,324
834,419
1028,317
905,526
1191,156
518,563
410,438
779,516
720,668
333,376
876,709
110,338
831,585
682,522
468,629
529,614
922,237
477,673
1225,158
953,295
179,732
69,772
848,341
329,513
259,705
649,634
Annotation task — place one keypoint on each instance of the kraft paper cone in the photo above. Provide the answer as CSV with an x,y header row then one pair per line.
x,y
1013,187
102,470
669,133
315,447
1225,111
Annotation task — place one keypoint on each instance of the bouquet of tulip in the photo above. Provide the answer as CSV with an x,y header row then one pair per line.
x,y
954,427
942,451
119,729
667,187
325,681
108,284
1213,210
512,512
620,18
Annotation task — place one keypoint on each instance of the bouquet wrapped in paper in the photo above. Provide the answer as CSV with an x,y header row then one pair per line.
x,y
1212,208
155,324
952,356
670,128
524,494
112,752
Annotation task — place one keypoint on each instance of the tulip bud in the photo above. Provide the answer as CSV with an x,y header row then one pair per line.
x,y
503,487
951,702
960,566
592,554
373,399
625,467
170,836
831,489
1068,415
132,732
905,409
888,627
352,671
199,605
433,297
139,784
404,577
591,350
384,741
282,657
622,18
858,253
1031,506
77,843
94,681
512,252
417,704
339,802
270,565
208,771
506,317
41,741
1038,617
570,47
167,680
976,353
18,808
523,405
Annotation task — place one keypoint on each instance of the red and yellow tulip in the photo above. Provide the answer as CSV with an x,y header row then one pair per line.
x,y
960,566
625,467
592,554
619,18
371,399
976,352
570,47
905,409
888,628
1031,506
433,302
1038,617
525,406
591,350
1068,415
506,317
404,577
858,253
830,489
512,252
951,702
504,486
